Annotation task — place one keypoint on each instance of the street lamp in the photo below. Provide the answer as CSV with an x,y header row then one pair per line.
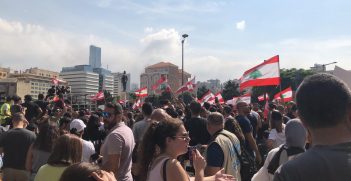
x,y
184,36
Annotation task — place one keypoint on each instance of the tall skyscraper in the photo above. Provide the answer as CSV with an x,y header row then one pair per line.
x,y
95,57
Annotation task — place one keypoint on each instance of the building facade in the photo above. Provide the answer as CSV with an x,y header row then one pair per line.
x,y
32,81
95,56
214,85
4,72
166,69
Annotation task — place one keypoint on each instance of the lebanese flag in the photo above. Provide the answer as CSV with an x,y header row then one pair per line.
x,y
56,81
208,96
261,97
159,82
189,86
219,97
266,73
141,92
232,101
245,98
285,94
137,104
98,96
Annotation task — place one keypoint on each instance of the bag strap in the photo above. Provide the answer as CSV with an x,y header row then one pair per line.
x,y
164,173
236,151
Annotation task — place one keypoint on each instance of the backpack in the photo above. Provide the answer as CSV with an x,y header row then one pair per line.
x,y
247,163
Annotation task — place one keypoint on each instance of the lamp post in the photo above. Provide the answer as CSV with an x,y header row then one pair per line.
x,y
184,36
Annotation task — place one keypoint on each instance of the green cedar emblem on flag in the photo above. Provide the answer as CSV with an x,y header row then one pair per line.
x,y
255,74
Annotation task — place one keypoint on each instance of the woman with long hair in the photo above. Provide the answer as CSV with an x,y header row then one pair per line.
x,y
39,152
67,151
162,143
86,172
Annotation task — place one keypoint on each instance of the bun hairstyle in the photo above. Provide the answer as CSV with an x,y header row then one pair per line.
x,y
74,131
154,141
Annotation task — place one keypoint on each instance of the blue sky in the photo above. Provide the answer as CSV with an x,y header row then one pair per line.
x,y
226,37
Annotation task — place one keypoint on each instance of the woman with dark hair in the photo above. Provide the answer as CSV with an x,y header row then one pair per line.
x,y
163,142
277,134
39,152
67,151
86,172
93,132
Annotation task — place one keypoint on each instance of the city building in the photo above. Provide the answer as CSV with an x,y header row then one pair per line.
x,y
4,72
95,56
118,87
214,85
32,81
169,70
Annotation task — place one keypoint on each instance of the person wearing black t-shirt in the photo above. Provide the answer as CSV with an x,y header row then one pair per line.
x,y
15,144
197,126
32,109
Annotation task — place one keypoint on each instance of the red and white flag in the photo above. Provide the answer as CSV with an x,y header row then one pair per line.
x,y
122,101
56,81
261,97
141,92
245,98
286,94
189,86
160,81
206,97
219,97
98,96
137,104
266,73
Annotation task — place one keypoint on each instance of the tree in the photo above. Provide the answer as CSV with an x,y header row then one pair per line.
x,y
201,91
289,77
231,89
187,97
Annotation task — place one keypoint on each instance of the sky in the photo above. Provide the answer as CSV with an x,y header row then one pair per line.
x,y
226,37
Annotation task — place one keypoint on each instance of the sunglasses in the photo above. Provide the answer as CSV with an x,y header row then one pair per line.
x,y
106,114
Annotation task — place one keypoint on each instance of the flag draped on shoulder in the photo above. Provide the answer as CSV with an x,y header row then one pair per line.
x,y
286,94
141,92
266,73
189,86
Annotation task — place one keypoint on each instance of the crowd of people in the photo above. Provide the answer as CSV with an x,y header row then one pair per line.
x,y
307,140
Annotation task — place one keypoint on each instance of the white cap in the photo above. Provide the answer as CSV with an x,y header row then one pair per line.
x,y
77,124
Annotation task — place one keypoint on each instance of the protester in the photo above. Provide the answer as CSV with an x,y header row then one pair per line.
x,y
5,112
140,127
77,128
277,134
324,106
42,104
15,144
33,111
232,125
39,152
295,134
246,127
86,172
159,115
197,126
163,142
67,151
118,145
224,150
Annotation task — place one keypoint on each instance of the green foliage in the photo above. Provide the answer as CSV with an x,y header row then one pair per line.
x,y
187,97
201,91
289,77
230,90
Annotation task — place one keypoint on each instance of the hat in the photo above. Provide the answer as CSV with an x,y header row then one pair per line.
x,y
77,124
295,133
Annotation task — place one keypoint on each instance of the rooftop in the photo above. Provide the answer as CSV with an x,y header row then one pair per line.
x,y
161,65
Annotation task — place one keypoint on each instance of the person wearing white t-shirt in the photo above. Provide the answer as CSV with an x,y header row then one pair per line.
x,y
77,127
277,134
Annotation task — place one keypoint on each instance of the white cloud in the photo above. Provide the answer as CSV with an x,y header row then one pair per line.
x,y
241,25
148,30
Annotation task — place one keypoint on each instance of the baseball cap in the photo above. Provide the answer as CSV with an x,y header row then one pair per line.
x,y
77,124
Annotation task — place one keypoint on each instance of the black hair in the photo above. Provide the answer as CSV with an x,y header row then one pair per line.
x,y
40,96
115,106
147,108
323,100
207,105
170,111
48,134
156,136
195,107
227,110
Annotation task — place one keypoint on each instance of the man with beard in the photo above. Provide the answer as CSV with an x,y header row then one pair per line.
x,y
118,145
